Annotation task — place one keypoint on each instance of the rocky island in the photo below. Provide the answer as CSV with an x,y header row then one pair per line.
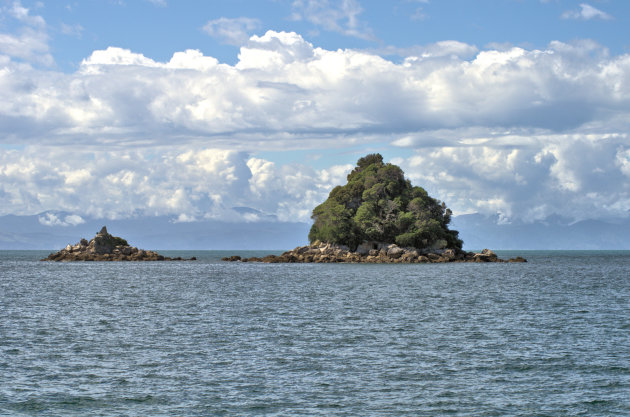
x,y
379,217
105,247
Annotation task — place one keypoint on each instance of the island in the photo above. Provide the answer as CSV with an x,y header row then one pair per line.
x,y
105,247
379,217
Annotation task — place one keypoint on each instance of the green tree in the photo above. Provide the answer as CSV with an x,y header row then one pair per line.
x,y
379,204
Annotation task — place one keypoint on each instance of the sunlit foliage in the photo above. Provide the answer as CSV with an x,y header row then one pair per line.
x,y
378,204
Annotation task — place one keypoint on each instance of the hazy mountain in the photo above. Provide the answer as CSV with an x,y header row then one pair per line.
x,y
27,232
477,231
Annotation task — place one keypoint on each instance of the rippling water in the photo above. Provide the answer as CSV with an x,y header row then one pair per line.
x,y
550,337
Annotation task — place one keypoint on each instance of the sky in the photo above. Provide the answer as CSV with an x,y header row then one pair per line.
x,y
518,109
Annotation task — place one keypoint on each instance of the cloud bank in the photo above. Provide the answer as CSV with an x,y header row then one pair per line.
x,y
527,133
185,184
283,87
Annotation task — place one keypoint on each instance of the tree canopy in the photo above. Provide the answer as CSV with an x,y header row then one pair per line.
x,y
378,204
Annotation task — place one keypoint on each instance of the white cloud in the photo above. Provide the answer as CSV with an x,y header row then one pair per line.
x,y
341,16
285,90
527,132
526,178
529,177
51,219
186,184
232,31
29,45
29,42
22,14
586,12
442,49
117,56
160,3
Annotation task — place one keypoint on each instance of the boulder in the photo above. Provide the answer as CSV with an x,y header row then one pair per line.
x,y
395,252
518,259
409,256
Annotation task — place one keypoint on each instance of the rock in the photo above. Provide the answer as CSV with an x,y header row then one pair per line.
x,y
302,250
395,252
518,259
365,248
409,256
105,247
387,253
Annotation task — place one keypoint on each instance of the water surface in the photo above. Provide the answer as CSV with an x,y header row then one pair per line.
x,y
550,337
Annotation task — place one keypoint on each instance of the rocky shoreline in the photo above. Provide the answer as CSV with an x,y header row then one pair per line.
x,y
375,253
105,247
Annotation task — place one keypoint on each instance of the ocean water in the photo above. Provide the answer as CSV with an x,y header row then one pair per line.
x,y
547,338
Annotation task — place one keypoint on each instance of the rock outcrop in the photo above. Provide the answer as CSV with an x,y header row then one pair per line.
x,y
105,247
381,253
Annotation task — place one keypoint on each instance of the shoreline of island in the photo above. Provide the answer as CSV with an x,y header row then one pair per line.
x,y
375,253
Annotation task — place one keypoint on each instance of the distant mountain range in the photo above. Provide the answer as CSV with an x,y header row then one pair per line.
x,y
54,230
28,232
479,232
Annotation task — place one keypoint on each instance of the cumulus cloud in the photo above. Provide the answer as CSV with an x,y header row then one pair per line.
x,y
586,12
30,42
442,49
22,14
52,219
341,17
285,89
529,177
232,31
187,184
528,133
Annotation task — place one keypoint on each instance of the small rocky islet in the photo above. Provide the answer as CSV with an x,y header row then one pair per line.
x,y
379,217
105,247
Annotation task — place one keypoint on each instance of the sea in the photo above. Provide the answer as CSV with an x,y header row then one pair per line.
x,y
550,337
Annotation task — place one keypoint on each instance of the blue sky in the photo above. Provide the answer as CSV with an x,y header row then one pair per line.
x,y
120,108
158,29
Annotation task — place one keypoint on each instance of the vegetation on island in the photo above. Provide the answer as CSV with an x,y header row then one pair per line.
x,y
378,204
107,240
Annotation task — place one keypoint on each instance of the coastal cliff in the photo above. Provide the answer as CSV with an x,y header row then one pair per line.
x,y
105,247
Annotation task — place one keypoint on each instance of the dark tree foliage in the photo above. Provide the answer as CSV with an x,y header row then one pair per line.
x,y
379,204
110,241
